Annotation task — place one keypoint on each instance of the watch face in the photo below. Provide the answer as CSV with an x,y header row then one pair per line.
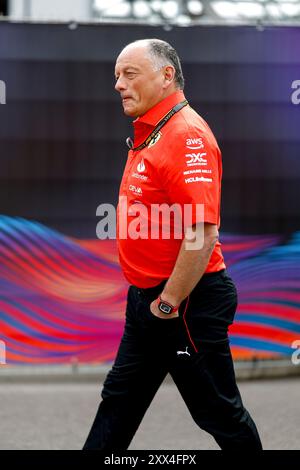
x,y
165,308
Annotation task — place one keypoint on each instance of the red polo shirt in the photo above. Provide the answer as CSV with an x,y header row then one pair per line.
x,y
182,167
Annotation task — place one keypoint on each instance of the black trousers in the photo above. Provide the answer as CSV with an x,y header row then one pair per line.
x,y
194,349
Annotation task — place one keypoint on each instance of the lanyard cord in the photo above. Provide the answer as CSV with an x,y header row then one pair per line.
x,y
155,131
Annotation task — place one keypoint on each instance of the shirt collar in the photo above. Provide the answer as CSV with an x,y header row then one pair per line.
x,y
143,125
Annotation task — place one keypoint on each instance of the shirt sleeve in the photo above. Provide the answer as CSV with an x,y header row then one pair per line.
x,y
190,169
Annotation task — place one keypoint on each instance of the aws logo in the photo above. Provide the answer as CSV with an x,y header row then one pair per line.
x,y
195,144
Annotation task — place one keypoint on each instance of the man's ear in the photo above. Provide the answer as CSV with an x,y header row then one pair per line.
x,y
169,74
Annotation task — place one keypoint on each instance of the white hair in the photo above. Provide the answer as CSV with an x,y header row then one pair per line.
x,y
161,53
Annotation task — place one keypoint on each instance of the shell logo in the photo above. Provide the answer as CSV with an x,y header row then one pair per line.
x,y
141,167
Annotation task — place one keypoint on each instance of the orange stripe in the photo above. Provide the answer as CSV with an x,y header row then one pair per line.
x,y
188,332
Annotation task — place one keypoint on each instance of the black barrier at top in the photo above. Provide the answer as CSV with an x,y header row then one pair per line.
x,y
62,130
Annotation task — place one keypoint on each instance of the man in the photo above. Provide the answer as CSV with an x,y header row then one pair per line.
x,y
181,300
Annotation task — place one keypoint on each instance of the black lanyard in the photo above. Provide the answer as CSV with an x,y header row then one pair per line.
x,y
155,131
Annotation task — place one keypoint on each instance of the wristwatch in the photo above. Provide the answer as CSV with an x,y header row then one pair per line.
x,y
165,307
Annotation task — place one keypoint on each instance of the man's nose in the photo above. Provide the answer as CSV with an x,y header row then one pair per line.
x,y
120,85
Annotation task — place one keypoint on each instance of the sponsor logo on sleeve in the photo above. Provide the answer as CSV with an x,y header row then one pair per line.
x,y
197,179
196,159
194,144
199,170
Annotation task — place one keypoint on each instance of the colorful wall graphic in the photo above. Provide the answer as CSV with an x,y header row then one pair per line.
x,y
63,299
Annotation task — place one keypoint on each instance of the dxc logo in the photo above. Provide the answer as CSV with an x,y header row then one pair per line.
x,y
196,158
2,92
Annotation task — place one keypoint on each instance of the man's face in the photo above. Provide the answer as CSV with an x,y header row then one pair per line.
x,y
140,86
